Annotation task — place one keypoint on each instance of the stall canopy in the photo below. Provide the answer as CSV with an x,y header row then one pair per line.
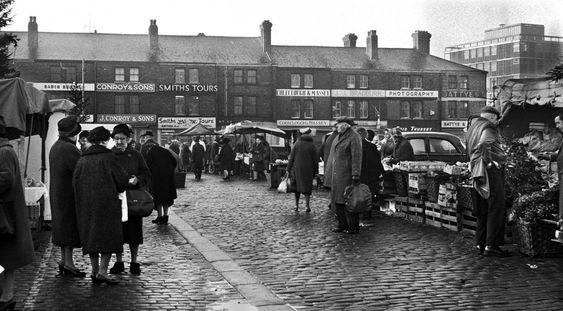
x,y
197,130
249,127
533,91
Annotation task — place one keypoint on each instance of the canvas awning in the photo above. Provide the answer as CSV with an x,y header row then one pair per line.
x,y
197,130
533,91
249,127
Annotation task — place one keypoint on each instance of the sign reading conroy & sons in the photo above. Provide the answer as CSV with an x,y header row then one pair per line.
x,y
127,118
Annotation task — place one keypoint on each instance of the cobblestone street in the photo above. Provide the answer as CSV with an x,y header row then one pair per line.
x,y
391,265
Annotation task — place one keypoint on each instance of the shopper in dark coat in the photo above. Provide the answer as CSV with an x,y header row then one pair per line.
x,y
16,251
198,157
139,177
388,145
62,160
303,166
372,169
402,150
226,158
259,153
161,164
98,180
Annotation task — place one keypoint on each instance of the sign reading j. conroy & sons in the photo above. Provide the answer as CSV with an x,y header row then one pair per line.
x,y
185,122
303,123
302,93
89,87
126,87
412,93
127,118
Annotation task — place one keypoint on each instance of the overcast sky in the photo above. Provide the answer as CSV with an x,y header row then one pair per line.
x,y
295,22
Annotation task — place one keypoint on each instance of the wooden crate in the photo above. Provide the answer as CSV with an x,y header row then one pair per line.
x,y
432,214
449,218
468,221
415,210
34,215
401,207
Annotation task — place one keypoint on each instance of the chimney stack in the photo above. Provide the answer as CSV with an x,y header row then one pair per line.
x,y
421,41
350,40
266,34
371,45
153,41
32,37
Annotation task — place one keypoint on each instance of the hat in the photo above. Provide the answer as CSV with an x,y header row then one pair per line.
x,y
69,125
345,119
397,131
306,130
490,109
98,134
83,134
224,140
123,129
147,133
259,137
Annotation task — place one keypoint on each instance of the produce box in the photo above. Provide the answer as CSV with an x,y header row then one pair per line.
x,y
421,166
447,195
453,169
417,183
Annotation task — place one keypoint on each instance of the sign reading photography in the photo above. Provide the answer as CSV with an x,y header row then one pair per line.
x,y
125,87
412,93
185,122
127,118
188,88
303,93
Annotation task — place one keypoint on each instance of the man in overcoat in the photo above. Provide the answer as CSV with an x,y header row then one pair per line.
x,y
485,154
372,169
343,168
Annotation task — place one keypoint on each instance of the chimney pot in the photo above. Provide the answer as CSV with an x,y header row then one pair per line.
x,y
266,34
350,40
421,41
32,37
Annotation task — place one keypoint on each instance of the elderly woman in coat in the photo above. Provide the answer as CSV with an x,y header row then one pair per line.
x,y
303,166
162,165
226,157
98,179
343,168
16,250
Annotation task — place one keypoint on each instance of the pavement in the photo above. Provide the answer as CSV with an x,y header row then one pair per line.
x,y
240,246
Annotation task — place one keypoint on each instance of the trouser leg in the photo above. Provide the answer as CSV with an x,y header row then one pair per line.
x,y
480,207
496,209
353,221
341,215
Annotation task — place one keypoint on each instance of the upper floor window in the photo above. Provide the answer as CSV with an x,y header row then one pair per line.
x,y
193,106
237,105
493,50
466,54
336,109
193,75
308,81
463,83
134,106
179,76
350,81
480,52
251,76
452,82
308,109
473,53
237,76
134,74
250,106
62,74
295,109
418,82
364,82
405,82
119,74
351,108
493,66
70,74
451,108
295,81
180,106
363,109
120,104
405,110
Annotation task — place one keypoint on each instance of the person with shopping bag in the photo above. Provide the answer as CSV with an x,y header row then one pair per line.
x,y
302,167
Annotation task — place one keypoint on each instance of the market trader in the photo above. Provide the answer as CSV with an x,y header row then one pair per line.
x,y
558,156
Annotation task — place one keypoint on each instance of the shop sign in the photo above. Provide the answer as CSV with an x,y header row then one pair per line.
x,y
314,123
415,125
303,93
126,87
188,88
127,118
454,124
366,123
412,93
358,93
463,94
185,122
62,86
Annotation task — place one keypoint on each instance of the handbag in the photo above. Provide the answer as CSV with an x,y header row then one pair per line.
x,y
357,198
7,221
282,188
291,187
139,203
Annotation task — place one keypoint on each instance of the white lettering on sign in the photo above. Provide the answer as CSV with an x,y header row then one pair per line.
x,y
185,122
358,93
127,118
460,94
126,87
301,92
197,88
409,93
62,86
415,129
303,123
454,124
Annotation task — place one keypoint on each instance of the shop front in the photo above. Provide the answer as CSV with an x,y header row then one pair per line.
x,y
457,106
138,122
168,127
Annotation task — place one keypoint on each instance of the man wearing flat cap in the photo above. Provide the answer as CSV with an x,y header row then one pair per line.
x,y
343,168
487,171
62,161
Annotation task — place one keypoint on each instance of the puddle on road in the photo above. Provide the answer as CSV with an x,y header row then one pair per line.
x,y
233,305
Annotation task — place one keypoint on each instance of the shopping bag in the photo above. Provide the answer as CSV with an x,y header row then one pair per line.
x,y
282,188
140,203
358,198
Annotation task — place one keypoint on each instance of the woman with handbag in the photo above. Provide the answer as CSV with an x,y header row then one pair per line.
x,y
16,247
98,179
302,167
139,177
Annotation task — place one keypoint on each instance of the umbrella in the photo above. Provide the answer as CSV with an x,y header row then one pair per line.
x,y
197,130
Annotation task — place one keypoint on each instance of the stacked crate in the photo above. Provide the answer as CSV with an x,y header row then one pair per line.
x,y
465,206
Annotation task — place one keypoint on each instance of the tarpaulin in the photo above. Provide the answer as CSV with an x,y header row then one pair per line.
x,y
533,91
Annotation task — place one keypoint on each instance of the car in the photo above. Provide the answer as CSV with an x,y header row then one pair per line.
x,y
437,146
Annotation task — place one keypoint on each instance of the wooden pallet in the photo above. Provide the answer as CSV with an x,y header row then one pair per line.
x,y
449,218
432,214
468,222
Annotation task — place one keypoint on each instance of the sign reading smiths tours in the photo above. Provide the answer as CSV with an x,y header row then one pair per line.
x,y
185,122
189,88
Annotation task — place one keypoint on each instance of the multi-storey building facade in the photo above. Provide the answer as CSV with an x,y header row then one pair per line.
x,y
168,83
510,51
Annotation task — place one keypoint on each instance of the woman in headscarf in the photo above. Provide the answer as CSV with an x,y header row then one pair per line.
x,y
98,179
139,176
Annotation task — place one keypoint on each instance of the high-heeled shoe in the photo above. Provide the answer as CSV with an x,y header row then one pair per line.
x,y
65,271
8,305
98,279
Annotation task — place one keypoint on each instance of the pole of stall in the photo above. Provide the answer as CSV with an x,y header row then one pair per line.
x,y
28,145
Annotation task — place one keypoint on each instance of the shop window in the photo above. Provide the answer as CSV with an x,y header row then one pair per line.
x,y
351,108
193,106
179,106
416,110
405,82
363,109
119,104
463,83
250,106
295,81
405,110
418,82
308,81
350,81
237,105
418,146
119,74
462,109
295,109
237,76
134,104
442,146
55,72
308,109
251,76
452,82
451,109
193,76
336,109
180,76
364,81
133,74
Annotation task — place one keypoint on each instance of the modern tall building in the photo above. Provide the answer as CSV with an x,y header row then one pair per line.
x,y
510,51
